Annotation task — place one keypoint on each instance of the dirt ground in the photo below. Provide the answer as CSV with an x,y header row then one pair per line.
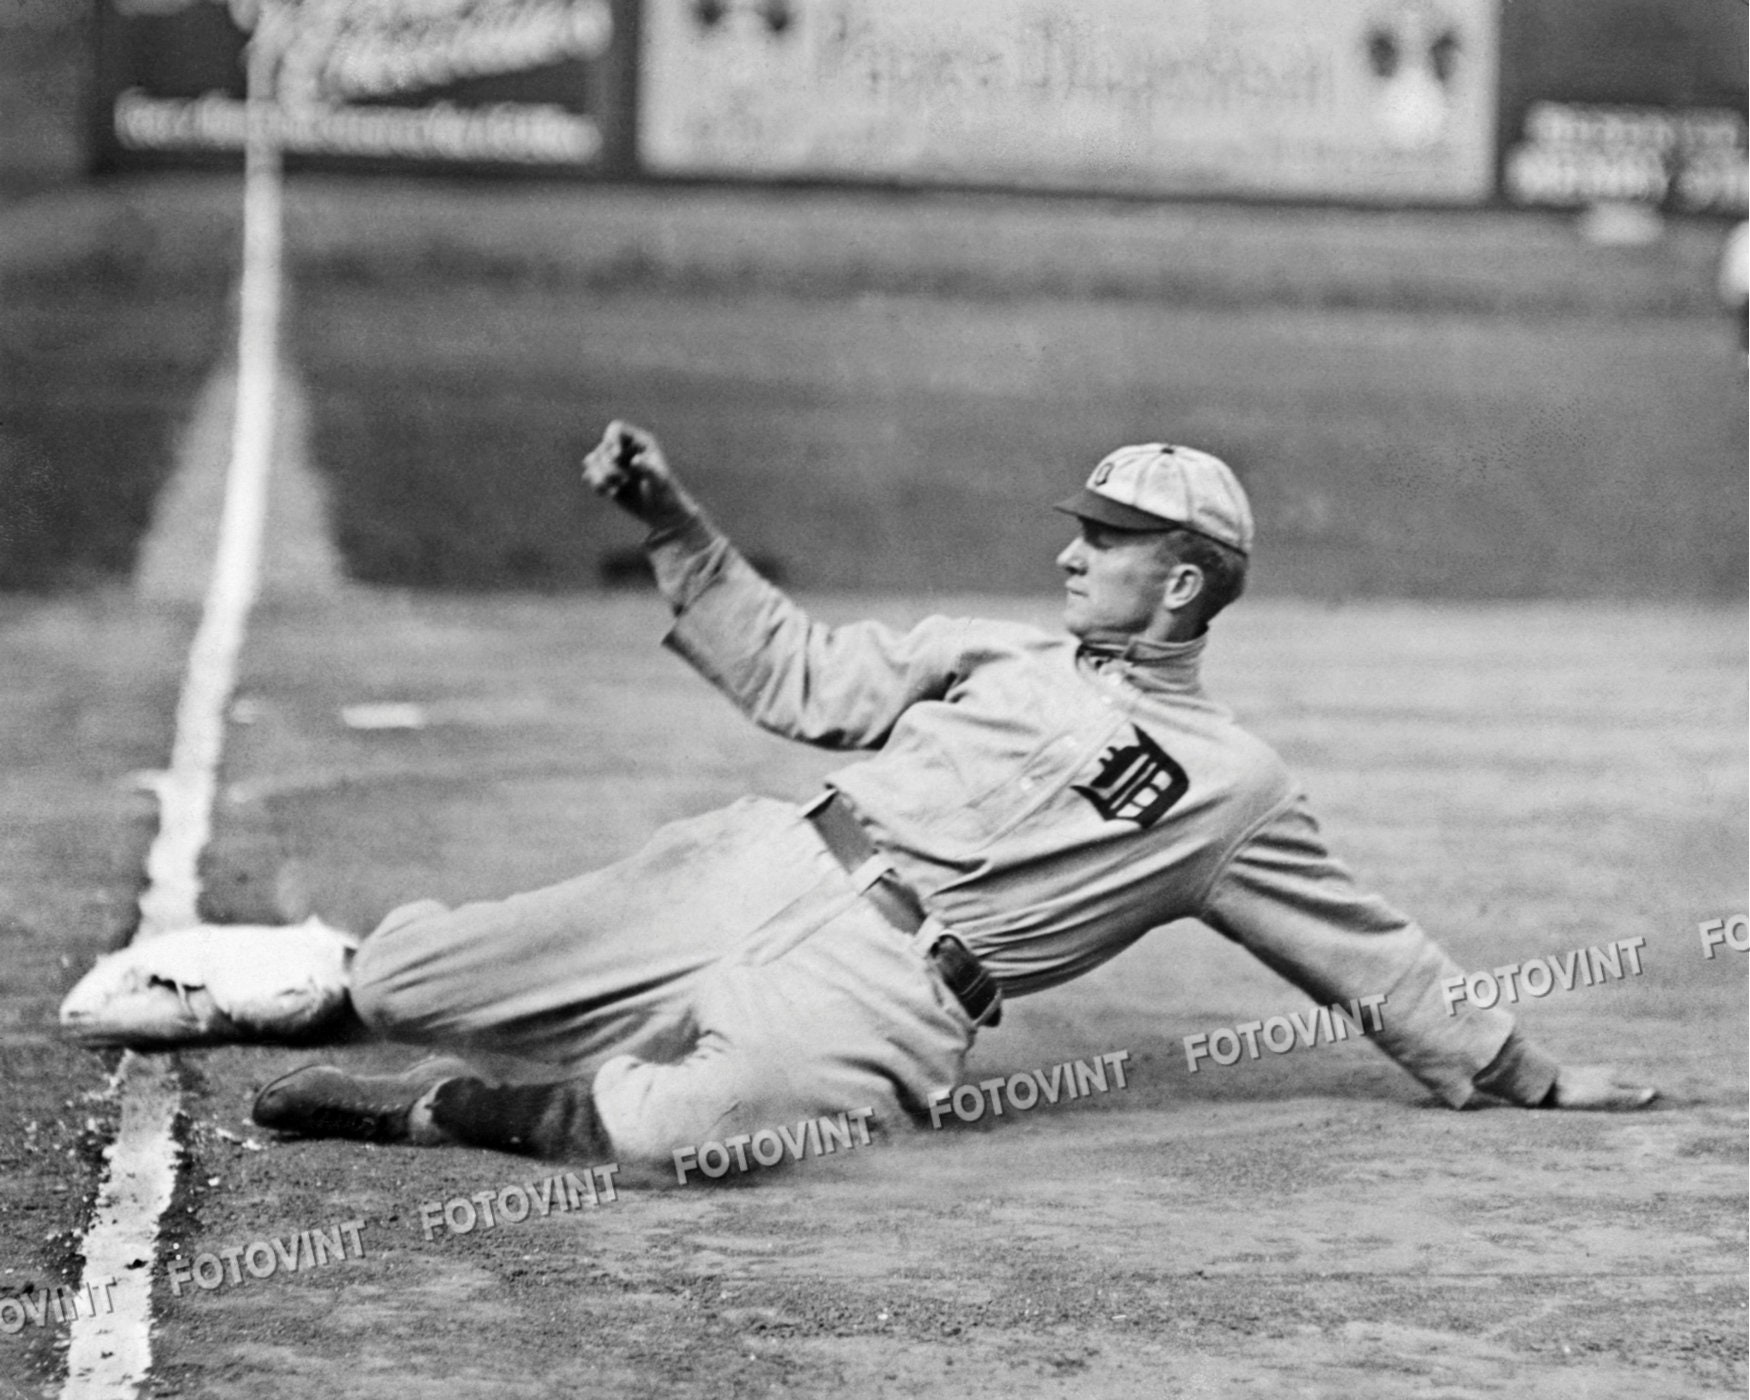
x,y
1529,779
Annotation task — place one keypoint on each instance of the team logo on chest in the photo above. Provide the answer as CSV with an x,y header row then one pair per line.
x,y
1137,782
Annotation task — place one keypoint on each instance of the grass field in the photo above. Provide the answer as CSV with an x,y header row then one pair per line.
x,y
878,392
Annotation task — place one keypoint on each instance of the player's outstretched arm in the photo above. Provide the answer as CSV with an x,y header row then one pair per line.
x,y
840,687
628,467
1597,1087
1288,902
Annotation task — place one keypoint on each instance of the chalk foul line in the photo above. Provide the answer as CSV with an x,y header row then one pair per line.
x,y
110,1355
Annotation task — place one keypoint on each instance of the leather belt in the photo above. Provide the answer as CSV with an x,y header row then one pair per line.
x,y
877,881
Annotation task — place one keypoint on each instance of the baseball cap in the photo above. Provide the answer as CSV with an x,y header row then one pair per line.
x,y
1155,485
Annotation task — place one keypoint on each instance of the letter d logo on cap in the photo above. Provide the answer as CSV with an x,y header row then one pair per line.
x,y
1157,485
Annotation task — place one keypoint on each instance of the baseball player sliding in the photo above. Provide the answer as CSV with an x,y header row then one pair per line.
x,y
1029,806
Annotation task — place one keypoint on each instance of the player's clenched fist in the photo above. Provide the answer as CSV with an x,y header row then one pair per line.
x,y
628,467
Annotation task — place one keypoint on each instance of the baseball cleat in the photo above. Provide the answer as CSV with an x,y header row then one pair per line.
x,y
326,1101
214,983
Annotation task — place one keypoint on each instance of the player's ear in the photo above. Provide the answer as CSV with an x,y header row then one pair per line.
x,y
1184,585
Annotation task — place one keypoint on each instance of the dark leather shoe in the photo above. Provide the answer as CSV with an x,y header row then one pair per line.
x,y
326,1101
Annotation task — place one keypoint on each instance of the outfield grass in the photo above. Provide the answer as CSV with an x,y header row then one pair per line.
x,y
880,391
45,55
828,242
891,441
114,313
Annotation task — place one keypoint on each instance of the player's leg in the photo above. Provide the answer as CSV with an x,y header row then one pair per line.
x,y
852,1018
773,1047
822,1008
438,1101
553,976
327,1101
567,972
812,1019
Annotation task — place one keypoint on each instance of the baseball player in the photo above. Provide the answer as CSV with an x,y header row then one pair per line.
x,y
1031,804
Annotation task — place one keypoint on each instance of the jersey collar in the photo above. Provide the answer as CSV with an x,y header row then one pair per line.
x,y
1148,665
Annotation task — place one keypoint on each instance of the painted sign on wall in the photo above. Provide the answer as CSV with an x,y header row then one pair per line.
x,y
508,83
1367,99
1636,100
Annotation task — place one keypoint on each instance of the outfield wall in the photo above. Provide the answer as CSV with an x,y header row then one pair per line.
x,y
1392,102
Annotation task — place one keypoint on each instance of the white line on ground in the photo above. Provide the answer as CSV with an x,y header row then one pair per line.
x,y
110,1355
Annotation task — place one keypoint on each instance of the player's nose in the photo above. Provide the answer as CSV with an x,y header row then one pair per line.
x,y
1071,560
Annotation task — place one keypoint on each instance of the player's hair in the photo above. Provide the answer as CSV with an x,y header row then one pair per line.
x,y
1222,566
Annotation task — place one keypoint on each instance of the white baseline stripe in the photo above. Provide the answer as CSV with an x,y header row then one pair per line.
x,y
110,1354
185,792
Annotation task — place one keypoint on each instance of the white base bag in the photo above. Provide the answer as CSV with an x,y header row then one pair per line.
x,y
214,983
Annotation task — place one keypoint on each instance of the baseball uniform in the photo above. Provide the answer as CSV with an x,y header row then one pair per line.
x,y
1048,799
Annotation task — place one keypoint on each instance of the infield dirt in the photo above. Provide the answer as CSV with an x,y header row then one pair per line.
x,y
1306,1224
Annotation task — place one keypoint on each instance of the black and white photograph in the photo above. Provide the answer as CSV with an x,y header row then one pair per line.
x,y
968,699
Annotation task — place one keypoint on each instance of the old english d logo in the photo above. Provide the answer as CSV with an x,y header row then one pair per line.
x,y
1136,783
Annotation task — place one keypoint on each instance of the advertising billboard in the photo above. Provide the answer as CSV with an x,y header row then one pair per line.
x,y
1625,100
510,84
1389,100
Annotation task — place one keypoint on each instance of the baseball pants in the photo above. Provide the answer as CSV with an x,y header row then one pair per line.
x,y
727,977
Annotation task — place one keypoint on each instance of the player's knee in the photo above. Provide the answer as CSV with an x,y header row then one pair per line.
x,y
646,1110
382,984
373,993
404,916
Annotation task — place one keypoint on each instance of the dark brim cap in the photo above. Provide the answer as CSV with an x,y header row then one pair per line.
x,y
1090,505
1157,486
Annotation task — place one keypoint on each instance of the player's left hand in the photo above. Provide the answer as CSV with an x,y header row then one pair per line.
x,y
1598,1087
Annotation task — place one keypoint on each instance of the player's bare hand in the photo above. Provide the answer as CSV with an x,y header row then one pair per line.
x,y
1598,1087
629,468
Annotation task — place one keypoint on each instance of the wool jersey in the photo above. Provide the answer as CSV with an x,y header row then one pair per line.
x,y
1053,799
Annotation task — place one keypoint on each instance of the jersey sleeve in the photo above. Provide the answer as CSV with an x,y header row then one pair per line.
x,y
838,687
1284,898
